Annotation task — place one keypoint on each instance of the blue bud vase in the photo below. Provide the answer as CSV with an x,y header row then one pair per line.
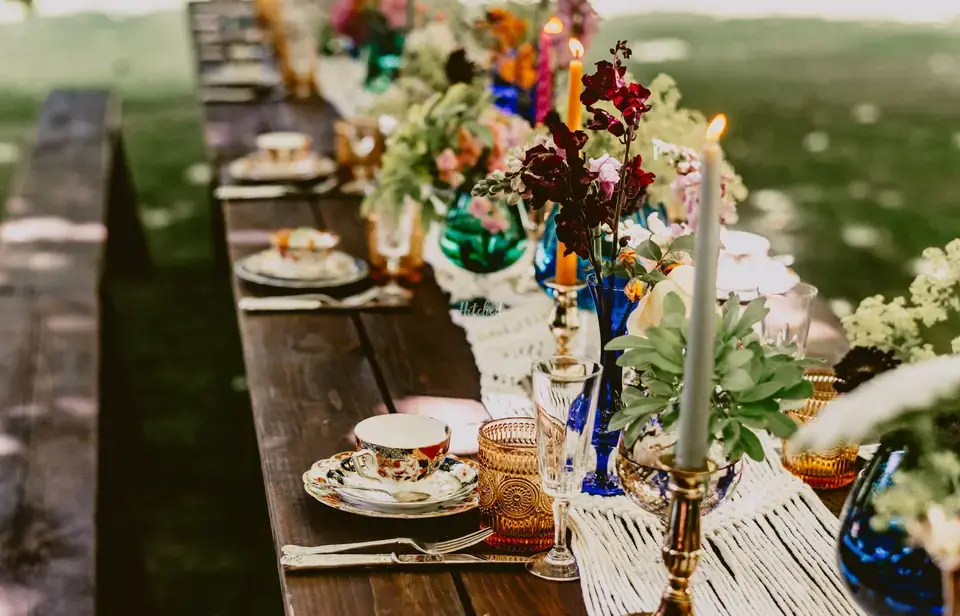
x,y
545,258
478,242
886,575
602,481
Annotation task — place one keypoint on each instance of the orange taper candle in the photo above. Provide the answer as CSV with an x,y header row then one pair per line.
x,y
567,264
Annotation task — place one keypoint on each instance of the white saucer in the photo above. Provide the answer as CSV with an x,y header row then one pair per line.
x,y
453,486
249,169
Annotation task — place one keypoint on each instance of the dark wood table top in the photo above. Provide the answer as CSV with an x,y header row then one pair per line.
x,y
313,376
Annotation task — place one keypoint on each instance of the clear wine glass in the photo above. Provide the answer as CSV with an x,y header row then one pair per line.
x,y
394,231
527,281
565,392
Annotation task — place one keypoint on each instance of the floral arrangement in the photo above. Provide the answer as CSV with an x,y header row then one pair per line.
x,y
885,334
918,406
445,143
579,19
754,382
594,194
669,138
435,56
362,21
508,34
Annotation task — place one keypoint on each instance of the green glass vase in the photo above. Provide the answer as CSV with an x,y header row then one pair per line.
x,y
480,235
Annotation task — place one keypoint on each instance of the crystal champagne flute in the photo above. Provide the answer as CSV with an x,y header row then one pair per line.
x,y
565,393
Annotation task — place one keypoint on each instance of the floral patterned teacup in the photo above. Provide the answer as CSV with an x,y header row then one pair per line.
x,y
400,448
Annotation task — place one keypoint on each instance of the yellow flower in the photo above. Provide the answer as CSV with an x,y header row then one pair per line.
x,y
627,257
634,289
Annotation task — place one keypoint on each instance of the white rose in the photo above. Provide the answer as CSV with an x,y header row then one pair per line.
x,y
649,309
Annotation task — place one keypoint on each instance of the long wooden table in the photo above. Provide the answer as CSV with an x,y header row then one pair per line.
x,y
313,376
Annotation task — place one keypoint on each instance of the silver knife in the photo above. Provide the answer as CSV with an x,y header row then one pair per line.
x,y
298,562
271,191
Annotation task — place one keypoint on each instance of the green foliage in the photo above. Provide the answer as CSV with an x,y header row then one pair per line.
x,y
408,167
753,382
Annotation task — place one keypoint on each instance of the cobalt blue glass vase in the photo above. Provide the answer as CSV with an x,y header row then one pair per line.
x,y
545,257
613,309
886,575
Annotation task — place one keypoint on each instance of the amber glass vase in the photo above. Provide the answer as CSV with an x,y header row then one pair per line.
x,y
823,470
511,501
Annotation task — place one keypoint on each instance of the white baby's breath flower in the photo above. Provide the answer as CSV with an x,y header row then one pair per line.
x,y
854,417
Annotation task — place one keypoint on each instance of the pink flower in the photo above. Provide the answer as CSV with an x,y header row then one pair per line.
x,y
608,169
686,190
341,17
448,168
496,222
396,13
479,207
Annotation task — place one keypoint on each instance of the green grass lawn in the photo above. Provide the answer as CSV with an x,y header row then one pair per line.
x,y
855,200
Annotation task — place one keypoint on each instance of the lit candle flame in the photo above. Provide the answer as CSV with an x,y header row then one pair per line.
x,y
554,26
576,48
716,127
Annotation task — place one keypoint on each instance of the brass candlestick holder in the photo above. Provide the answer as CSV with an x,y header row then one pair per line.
x,y
564,318
681,546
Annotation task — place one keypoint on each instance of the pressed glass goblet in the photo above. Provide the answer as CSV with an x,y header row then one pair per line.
x,y
362,141
565,392
394,231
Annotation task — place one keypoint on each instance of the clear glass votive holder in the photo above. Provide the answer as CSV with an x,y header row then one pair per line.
x,y
822,470
788,321
512,502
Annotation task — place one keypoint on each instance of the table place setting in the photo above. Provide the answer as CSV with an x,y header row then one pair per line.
x,y
282,156
652,425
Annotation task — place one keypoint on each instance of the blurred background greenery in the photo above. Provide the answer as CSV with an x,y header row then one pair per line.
x,y
847,134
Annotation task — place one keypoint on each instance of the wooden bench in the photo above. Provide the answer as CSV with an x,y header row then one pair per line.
x,y
63,430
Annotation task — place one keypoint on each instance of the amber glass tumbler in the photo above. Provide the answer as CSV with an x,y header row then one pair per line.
x,y
511,501
823,470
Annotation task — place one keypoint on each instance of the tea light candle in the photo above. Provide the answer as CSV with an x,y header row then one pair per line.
x,y
693,424
567,264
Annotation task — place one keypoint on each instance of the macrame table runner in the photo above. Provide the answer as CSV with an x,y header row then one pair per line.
x,y
769,550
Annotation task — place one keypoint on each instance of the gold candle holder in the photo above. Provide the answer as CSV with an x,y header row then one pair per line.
x,y
681,546
564,318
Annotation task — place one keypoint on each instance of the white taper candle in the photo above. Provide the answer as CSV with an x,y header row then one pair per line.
x,y
693,424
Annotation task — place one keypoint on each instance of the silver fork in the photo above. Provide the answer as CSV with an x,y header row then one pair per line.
x,y
426,547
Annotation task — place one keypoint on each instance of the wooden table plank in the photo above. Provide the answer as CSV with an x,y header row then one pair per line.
x,y
310,383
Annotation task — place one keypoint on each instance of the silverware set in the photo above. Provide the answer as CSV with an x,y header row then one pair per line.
x,y
297,557
308,301
425,547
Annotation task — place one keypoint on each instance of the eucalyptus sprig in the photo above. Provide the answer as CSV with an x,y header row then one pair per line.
x,y
754,383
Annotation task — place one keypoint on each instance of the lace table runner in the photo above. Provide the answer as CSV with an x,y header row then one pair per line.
x,y
769,550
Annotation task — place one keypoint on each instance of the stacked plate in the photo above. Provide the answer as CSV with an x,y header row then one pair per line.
x,y
452,489
268,268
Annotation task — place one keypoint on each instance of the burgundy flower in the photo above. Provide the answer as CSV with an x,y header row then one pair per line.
x,y
603,84
636,178
605,121
631,102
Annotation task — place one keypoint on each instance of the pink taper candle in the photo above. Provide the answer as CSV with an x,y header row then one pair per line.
x,y
544,96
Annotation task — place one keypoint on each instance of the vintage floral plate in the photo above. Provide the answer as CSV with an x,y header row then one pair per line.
x,y
248,269
453,484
